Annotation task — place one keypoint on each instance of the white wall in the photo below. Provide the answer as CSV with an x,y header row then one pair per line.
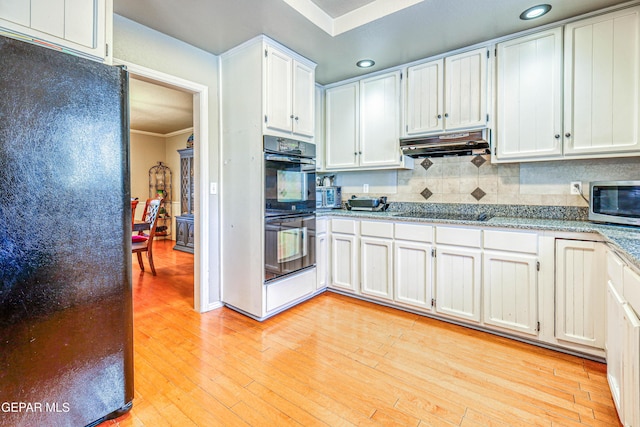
x,y
140,45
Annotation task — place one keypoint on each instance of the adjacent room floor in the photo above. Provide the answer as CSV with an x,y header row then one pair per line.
x,y
336,360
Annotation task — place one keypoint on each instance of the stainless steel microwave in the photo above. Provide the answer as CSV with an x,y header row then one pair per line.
x,y
616,202
328,197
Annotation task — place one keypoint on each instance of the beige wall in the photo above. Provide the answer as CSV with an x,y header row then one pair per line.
x,y
453,179
140,45
146,151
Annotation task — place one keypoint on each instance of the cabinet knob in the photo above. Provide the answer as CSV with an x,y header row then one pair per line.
x,y
291,116
557,136
296,118
360,152
568,134
439,116
446,114
355,153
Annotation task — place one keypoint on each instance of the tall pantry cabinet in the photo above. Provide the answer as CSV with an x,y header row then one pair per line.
x,y
264,88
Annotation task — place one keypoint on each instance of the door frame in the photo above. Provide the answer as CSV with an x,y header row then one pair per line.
x,y
202,214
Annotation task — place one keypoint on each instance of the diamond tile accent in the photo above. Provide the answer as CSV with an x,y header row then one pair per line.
x,y
478,193
426,163
426,193
478,160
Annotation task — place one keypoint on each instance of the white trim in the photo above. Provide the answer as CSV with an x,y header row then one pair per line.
x,y
201,278
350,20
161,135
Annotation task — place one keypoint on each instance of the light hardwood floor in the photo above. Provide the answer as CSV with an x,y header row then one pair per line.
x,y
338,361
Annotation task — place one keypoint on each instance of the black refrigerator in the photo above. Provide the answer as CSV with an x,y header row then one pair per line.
x,y
66,356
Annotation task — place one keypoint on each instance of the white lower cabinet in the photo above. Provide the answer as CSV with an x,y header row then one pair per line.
x,y
413,272
510,291
322,253
458,282
615,333
376,260
631,367
345,254
580,292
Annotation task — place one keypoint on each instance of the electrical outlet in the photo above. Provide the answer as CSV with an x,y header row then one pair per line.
x,y
365,188
576,187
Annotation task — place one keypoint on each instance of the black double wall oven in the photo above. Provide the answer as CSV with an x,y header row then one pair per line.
x,y
290,203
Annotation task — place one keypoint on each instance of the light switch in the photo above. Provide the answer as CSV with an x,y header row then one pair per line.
x,y
213,188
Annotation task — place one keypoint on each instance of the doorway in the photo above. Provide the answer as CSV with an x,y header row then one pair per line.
x,y
200,98
161,136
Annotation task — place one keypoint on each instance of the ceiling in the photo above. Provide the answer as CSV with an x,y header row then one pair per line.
x,y
158,109
422,28
333,33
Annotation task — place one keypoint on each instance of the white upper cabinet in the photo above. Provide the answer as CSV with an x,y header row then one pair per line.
x,y
363,124
342,134
289,94
529,101
77,25
425,98
465,95
601,84
448,94
380,120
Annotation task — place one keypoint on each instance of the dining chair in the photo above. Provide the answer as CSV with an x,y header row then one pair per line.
x,y
140,245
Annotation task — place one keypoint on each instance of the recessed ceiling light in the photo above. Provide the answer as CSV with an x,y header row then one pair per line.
x,y
535,12
366,63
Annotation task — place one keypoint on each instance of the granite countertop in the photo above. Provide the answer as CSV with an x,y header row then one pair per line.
x,y
625,239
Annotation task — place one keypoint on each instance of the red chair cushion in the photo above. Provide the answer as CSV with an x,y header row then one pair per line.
x,y
138,239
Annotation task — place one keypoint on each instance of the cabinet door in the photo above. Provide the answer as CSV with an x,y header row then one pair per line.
x,y
342,126
631,367
303,99
376,260
413,273
615,345
344,262
322,254
458,282
580,292
601,84
510,291
529,115
425,98
465,96
380,120
78,25
278,96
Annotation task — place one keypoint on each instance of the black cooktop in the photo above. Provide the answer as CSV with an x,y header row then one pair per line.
x,y
446,215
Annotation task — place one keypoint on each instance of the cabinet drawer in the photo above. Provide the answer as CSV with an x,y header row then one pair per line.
x,y
346,226
632,289
321,226
459,236
414,233
288,290
376,229
511,241
615,270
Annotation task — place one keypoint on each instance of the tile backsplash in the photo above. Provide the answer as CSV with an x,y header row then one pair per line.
x,y
474,179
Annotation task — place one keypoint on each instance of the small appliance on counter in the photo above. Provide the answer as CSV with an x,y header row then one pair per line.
x,y
328,197
616,202
371,204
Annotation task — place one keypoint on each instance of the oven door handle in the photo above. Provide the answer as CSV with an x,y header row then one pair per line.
x,y
289,218
287,159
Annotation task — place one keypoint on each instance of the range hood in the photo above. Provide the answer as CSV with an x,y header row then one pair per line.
x,y
455,144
